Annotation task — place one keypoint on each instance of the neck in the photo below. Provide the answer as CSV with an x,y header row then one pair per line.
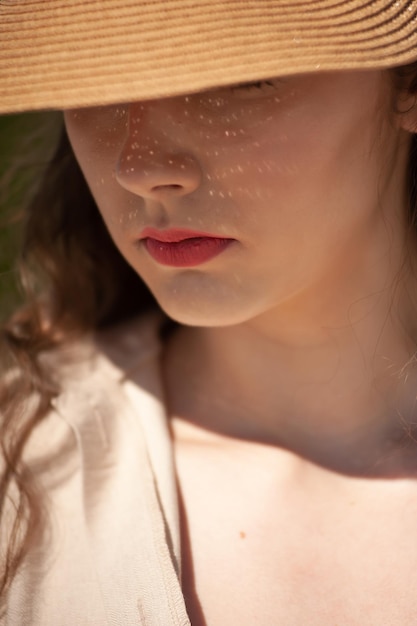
x,y
330,379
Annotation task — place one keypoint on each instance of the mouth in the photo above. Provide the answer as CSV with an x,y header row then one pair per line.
x,y
182,248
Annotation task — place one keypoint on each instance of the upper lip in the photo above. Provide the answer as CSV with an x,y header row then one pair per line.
x,y
172,235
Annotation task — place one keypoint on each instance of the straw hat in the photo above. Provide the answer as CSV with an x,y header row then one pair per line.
x,y
61,53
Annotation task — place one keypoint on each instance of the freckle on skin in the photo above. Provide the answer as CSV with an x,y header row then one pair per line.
x,y
242,534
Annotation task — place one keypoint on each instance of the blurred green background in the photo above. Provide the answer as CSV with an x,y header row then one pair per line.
x,y
27,142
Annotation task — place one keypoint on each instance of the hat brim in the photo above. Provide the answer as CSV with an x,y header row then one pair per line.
x,y
56,54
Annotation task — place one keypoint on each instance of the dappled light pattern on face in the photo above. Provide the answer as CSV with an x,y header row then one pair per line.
x,y
289,169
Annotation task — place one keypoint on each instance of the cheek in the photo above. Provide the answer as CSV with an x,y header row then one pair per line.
x,y
97,143
257,174
114,204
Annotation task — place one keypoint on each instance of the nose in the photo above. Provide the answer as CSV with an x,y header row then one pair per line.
x,y
153,164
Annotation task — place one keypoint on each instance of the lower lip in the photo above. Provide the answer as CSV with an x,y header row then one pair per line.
x,y
186,253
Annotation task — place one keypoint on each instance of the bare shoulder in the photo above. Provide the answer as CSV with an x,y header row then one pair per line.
x,y
266,538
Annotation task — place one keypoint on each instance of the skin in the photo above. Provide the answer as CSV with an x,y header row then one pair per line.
x,y
290,384
227,172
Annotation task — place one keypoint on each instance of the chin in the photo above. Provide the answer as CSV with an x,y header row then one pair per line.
x,y
200,312
195,312
187,318
198,299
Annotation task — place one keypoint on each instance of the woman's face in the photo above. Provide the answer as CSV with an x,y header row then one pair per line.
x,y
291,182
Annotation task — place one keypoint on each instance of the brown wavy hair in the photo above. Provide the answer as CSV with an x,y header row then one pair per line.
x,y
66,252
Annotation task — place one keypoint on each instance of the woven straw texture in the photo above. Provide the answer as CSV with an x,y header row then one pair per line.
x,y
61,54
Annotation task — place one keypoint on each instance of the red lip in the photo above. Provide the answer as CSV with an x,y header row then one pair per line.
x,y
173,235
182,248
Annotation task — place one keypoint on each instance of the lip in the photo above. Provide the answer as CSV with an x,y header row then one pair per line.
x,y
174,235
183,248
